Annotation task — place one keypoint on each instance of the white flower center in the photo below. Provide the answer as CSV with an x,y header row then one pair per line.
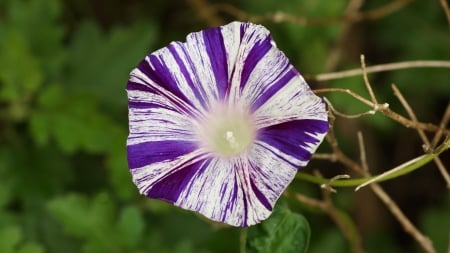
x,y
226,132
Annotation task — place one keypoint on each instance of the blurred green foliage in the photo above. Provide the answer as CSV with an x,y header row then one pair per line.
x,y
64,182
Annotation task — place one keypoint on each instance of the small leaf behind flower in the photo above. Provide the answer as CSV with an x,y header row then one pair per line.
x,y
284,231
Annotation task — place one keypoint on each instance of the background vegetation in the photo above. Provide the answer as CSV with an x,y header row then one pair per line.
x,y
64,181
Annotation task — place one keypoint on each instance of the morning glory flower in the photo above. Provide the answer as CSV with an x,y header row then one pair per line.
x,y
221,123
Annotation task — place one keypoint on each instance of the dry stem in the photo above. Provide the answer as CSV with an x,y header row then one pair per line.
x,y
282,17
326,205
424,241
446,9
383,108
422,134
380,68
445,120
206,12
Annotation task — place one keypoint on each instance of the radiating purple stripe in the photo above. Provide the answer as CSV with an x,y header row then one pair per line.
x,y
274,88
198,93
232,200
245,211
143,105
161,75
147,153
290,136
254,56
260,196
243,27
140,87
172,185
148,105
215,48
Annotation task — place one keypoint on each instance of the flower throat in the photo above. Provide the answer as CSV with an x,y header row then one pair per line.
x,y
227,132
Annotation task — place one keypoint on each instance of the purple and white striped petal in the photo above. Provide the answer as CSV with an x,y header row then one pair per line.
x,y
221,123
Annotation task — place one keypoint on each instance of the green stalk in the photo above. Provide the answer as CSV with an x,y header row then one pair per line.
x,y
400,170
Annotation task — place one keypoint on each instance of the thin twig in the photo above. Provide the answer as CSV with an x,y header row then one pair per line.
x,y
327,206
243,240
341,157
322,156
411,115
336,52
380,68
344,115
282,17
445,120
327,185
362,149
446,9
367,83
384,108
407,225
422,134
206,12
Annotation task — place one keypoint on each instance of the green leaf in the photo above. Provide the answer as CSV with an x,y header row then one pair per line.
x,y
83,217
10,236
130,226
39,128
283,232
37,21
74,121
89,219
20,72
330,240
101,63
436,224
31,247
120,176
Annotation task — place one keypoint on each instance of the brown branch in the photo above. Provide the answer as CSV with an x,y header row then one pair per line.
x,y
336,52
379,68
424,241
322,156
384,109
422,134
410,124
206,12
446,9
384,197
335,214
445,120
407,225
281,17
367,83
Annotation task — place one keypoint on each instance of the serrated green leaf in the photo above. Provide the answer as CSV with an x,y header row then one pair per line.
x,y
283,232
74,121
101,63
83,217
